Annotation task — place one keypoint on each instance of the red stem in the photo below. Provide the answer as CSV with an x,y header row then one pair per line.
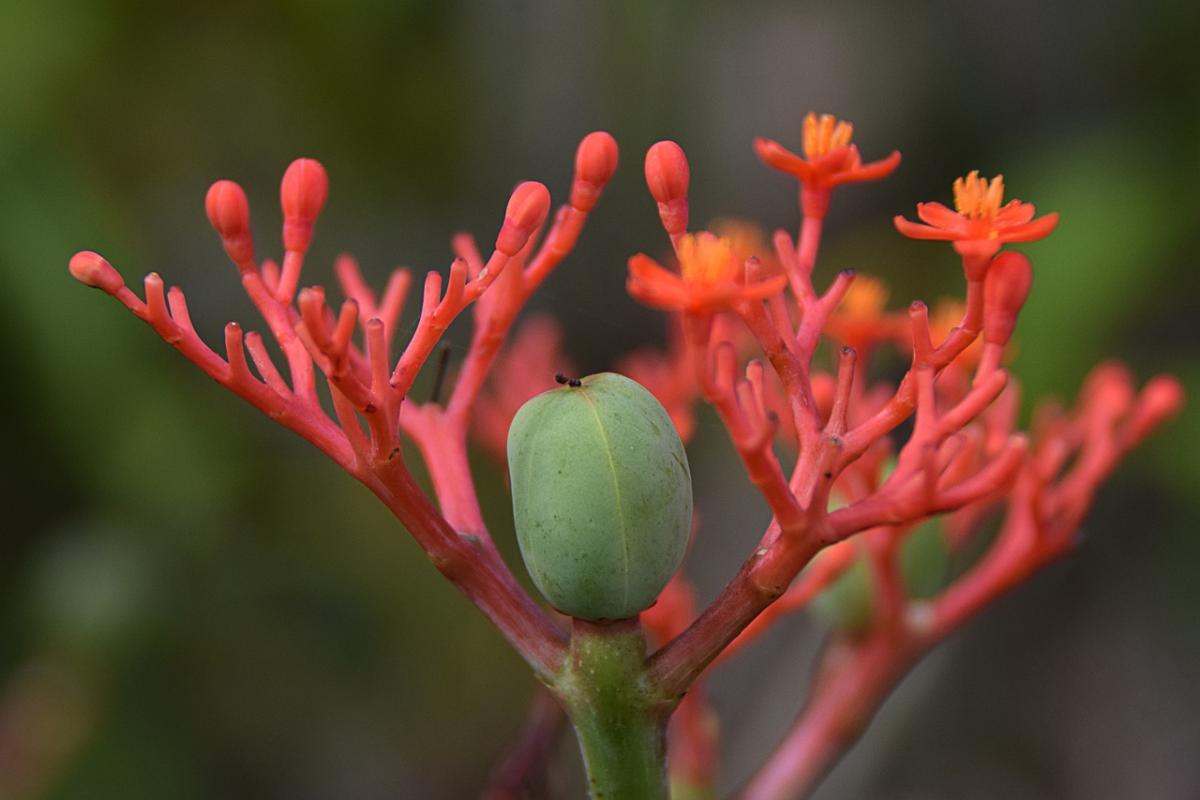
x,y
477,571
757,584
852,680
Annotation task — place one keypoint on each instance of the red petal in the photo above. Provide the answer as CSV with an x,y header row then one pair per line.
x,y
868,172
645,268
915,230
777,156
1032,231
939,216
1014,213
837,160
656,295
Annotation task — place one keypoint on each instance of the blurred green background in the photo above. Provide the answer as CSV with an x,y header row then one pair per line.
x,y
193,603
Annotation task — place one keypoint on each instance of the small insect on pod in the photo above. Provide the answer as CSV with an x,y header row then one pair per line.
x,y
602,496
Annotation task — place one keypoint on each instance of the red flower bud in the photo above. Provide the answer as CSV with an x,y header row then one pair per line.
x,y
1108,389
595,163
227,209
1009,278
302,195
667,172
229,214
526,211
668,175
1160,399
92,269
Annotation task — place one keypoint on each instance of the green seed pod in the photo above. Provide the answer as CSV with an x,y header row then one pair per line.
x,y
924,557
602,496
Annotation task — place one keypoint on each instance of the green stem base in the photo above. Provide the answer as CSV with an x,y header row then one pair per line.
x,y
621,724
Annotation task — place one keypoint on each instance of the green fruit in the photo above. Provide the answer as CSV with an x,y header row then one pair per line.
x,y
847,603
602,496
924,558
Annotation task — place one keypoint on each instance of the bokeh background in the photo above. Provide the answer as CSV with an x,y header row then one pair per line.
x,y
195,604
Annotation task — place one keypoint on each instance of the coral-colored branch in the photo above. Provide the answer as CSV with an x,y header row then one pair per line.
x,y
677,664
852,680
851,475
959,458
477,571
740,403
1044,510
595,163
293,411
363,382
820,574
903,402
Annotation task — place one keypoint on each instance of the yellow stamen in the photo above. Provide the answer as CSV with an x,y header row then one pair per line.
x,y
978,198
704,258
824,133
865,299
946,315
745,238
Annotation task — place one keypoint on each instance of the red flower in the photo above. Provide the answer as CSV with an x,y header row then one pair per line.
x,y
830,159
980,225
946,316
710,278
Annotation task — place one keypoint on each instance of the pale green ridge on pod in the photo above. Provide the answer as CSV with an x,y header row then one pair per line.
x,y
602,496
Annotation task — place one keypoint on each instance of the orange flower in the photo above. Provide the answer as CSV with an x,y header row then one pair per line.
x,y
861,319
946,316
710,278
747,239
830,159
980,225
865,299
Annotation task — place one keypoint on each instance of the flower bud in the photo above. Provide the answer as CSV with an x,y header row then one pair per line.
x,y
602,496
668,176
1159,400
1009,278
92,269
1108,389
302,195
595,163
229,213
526,211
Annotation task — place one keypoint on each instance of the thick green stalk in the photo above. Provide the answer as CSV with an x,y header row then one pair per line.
x,y
620,722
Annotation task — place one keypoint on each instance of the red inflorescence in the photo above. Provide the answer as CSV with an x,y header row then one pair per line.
x,y
747,328
369,385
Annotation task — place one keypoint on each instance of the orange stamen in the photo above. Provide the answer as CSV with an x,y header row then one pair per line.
x,y
824,133
946,315
704,258
865,299
746,240
978,198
